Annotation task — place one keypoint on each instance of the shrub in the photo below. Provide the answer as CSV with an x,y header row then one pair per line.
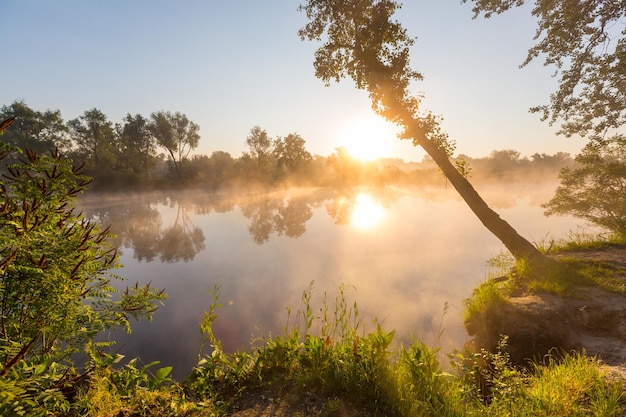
x,y
55,280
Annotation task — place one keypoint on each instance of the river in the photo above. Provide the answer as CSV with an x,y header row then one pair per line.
x,y
407,257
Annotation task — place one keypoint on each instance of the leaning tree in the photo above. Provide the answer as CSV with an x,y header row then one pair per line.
x,y
360,40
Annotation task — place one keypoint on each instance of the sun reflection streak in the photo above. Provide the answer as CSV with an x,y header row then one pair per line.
x,y
367,212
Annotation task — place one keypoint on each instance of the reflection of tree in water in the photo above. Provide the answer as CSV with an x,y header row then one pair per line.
x,y
288,217
182,240
143,225
138,224
283,217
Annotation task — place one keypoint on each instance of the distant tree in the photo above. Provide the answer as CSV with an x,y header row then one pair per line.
x,y
39,131
552,162
503,161
175,133
94,139
586,42
136,145
221,166
215,170
198,167
361,41
290,152
259,143
347,169
596,190
542,158
261,152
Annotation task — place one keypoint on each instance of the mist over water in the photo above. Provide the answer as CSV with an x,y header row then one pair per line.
x,y
421,250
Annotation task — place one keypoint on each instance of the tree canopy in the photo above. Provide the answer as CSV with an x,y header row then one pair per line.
x,y
585,40
137,147
94,138
596,189
40,131
290,152
176,134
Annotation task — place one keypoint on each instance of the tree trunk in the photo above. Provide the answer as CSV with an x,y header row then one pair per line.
x,y
519,247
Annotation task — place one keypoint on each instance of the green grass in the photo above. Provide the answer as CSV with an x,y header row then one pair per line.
x,y
508,276
580,241
487,296
330,352
574,385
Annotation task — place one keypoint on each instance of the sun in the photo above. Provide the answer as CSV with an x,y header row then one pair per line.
x,y
367,138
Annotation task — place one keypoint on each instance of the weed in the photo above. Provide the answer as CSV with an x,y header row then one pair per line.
x,y
331,407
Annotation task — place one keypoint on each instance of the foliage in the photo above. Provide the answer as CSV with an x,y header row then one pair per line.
x,y
572,385
113,392
363,44
331,354
176,134
136,145
260,159
55,272
290,152
132,161
215,171
326,350
94,137
596,190
40,131
586,42
487,296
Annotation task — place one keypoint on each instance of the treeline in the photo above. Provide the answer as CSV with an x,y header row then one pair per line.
x,y
156,151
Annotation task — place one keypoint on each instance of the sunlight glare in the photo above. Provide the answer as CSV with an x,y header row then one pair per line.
x,y
367,212
368,138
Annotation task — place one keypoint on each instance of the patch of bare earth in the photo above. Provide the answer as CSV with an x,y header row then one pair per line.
x,y
267,402
592,320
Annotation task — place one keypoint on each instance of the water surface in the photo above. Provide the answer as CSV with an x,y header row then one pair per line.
x,y
404,255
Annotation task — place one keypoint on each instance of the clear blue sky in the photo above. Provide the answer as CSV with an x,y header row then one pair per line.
x,y
232,64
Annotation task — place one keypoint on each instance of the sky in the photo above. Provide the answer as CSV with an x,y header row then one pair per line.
x,y
231,65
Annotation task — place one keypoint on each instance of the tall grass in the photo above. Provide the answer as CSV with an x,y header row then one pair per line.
x,y
330,351
573,385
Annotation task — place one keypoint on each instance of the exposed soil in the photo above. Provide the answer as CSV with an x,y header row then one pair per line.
x,y
592,320
268,403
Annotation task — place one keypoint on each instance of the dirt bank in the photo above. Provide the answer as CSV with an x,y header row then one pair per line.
x,y
592,319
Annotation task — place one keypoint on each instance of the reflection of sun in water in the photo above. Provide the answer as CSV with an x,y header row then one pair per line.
x,y
367,213
368,138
